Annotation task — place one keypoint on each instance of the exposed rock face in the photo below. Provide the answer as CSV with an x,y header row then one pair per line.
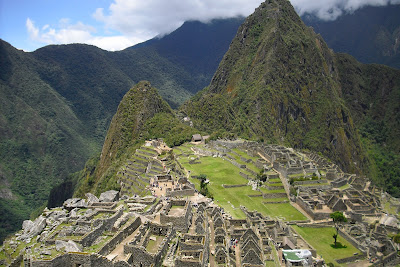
x,y
91,198
32,229
109,196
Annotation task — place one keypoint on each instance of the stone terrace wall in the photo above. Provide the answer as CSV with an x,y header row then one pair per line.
x,y
350,259
351,240
322,181
387,259
274,195
233,185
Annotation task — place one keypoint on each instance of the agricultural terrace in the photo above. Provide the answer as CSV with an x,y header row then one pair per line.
x,y
221,172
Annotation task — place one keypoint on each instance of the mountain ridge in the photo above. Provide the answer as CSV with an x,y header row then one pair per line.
x,y
284,66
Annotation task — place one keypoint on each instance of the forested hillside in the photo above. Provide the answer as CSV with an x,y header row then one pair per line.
x,y
57,103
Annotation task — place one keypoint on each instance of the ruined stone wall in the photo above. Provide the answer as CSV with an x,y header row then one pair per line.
x,y
339,182
73,259
350,259
140,257
187,263
321,181
387,259
107,224
190,246
121,235
274,195
180,223
314,215
259,164
184,192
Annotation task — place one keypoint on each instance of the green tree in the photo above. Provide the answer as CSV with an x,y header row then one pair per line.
x,y
396,239
337,217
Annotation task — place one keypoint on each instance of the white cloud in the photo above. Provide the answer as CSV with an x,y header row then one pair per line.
x,y
128,22
157,17
332,9
66,33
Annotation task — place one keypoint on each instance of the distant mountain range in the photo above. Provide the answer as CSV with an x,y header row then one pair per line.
x,y
57,102
370,34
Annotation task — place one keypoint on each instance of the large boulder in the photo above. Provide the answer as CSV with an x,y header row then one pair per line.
x,y
27,226
72,203
38,225
32,229
91,198
109,196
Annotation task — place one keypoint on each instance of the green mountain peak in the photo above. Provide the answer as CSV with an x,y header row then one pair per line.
x,y
279,81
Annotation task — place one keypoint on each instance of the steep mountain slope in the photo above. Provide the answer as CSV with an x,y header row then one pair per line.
x,y
372,93
41,139
141,115
57,103
279,81
370,34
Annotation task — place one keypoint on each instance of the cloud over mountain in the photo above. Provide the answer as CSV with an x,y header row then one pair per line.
x,y
332,9
128,22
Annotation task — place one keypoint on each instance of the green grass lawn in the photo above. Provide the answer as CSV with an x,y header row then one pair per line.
x,y
321,239
250,166
220,172
275,199
344,187
152,245
274,180
265,190
244,154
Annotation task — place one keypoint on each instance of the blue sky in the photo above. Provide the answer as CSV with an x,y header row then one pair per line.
x,y
117,24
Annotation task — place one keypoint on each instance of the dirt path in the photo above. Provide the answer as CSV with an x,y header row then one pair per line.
x,y
237,255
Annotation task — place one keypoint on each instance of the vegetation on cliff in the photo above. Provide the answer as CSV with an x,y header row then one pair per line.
x,y
372,93
279,82
141,115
